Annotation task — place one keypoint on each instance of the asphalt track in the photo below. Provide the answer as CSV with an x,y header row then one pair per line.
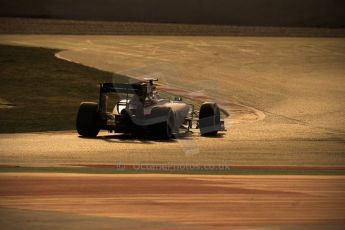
x,y
285,97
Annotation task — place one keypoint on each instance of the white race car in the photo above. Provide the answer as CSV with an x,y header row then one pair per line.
x,y
140,111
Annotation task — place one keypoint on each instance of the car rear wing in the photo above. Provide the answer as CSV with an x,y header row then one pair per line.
x,y
139,88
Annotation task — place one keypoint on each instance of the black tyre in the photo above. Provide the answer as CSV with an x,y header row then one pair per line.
x,y
134,125
164,123
209,119
87,119
124,122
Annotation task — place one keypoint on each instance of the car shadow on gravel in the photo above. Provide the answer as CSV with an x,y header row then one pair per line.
x,y
126,138
218,135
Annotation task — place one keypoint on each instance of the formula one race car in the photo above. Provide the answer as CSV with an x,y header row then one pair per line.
x,y
140,111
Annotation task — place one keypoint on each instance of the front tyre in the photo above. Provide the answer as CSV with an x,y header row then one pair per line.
x,y
209,119
87,119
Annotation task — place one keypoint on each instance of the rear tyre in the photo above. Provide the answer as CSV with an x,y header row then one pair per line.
x,y
164,123
209,119
87,119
